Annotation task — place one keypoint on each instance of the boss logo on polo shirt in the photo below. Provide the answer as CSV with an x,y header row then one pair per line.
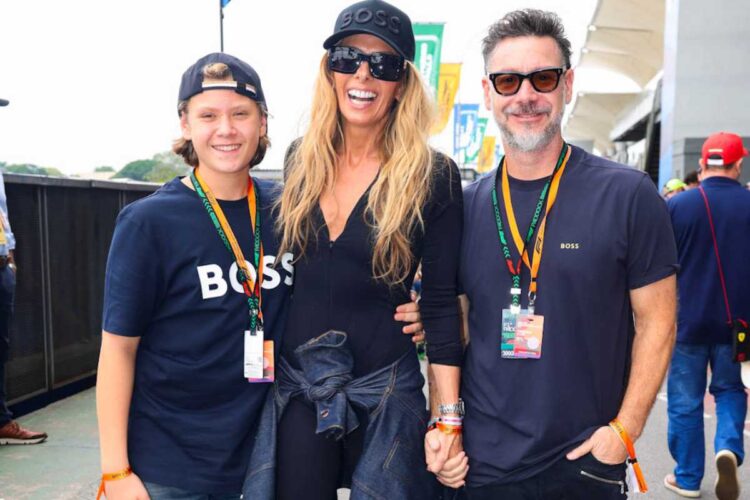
x,y
365,16
570,246
213,283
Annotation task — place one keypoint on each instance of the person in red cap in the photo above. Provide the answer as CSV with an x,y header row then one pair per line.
x,y
710,225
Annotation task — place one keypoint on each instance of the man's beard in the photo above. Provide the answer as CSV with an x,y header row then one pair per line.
x,y
527,141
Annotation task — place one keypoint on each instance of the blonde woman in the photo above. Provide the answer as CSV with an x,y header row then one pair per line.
x,y
364,202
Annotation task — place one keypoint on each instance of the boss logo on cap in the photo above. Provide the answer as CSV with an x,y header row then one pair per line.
x,y
365,16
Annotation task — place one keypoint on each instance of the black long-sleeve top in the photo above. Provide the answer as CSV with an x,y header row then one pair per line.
x,y
334,287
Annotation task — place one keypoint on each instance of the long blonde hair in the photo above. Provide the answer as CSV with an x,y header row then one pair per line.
x,y
397,197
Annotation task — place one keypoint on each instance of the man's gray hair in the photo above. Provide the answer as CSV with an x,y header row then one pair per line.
x,y
527,22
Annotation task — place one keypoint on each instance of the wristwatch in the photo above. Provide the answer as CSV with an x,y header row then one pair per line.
x,y
453,409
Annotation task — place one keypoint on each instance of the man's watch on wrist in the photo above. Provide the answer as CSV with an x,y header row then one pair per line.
x,y
453,409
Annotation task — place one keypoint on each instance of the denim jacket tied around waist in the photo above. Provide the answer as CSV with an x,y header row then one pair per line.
x,y
392,465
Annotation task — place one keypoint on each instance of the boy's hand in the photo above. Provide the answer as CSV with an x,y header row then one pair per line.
x,y
409,313
129,488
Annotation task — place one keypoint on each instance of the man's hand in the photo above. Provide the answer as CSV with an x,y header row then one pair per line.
x,y
604,444
129,488
409,313
454,471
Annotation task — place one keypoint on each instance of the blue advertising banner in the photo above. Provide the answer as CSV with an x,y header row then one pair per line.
x,y
477,138
465,126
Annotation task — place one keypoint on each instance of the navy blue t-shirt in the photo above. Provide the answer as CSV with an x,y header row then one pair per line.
x,y
702,316
171,281
608,233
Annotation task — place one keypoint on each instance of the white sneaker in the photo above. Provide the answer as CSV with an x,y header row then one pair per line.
x,y
670,483
727,485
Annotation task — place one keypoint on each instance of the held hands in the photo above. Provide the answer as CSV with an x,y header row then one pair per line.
x,y
128,488
445,457
409,313
604,445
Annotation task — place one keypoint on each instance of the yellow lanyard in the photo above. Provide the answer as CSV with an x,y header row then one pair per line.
x,y
251,288
539,244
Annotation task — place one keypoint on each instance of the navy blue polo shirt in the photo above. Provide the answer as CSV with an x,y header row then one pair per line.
x,y
702,316
608,233
171,281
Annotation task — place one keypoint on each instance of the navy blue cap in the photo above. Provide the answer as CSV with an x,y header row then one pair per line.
x,y
377,18
246,80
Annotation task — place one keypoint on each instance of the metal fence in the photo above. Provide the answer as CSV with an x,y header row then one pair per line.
x,y
63,229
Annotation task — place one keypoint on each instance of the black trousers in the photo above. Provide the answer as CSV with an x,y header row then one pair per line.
x,y
582,479
311,466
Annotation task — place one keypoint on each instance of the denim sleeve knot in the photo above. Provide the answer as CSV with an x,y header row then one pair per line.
x,y
327,389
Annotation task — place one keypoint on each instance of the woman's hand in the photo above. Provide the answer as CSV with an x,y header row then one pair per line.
x,y
445,457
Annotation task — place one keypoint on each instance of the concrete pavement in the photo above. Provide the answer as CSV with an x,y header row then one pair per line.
x,y
66,467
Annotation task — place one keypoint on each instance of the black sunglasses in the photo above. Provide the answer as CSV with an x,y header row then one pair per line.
x,y
543,80
383,66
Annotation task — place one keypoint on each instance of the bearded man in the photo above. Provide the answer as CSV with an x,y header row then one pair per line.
x,y
568,268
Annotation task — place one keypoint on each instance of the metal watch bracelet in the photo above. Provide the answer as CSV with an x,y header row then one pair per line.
x,y
452,409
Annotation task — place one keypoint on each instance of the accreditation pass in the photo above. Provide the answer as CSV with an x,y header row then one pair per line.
x,y
254,354
522,335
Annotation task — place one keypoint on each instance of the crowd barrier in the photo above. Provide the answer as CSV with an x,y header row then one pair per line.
x,y
63,229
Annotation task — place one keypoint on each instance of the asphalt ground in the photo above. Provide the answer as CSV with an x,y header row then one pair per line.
x,y
66,466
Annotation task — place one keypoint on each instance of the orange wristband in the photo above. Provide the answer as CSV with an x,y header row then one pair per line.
x,y
449,429
632,459
112,476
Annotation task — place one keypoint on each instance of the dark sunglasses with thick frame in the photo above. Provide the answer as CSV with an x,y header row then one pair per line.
x,y
383,66
508,83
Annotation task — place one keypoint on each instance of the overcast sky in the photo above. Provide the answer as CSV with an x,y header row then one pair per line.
x,y
94,82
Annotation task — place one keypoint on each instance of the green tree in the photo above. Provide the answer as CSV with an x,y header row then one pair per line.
x,y
136,170
25,168
173,160
53,172
161,168
104,169
30,168
162,173
169,166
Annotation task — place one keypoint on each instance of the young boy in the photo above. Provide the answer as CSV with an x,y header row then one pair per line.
x,y
173,401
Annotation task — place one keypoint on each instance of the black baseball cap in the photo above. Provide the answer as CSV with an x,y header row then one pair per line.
x,y
246,80
377,18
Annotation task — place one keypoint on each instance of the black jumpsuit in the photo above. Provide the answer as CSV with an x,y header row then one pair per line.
x,y
334,289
